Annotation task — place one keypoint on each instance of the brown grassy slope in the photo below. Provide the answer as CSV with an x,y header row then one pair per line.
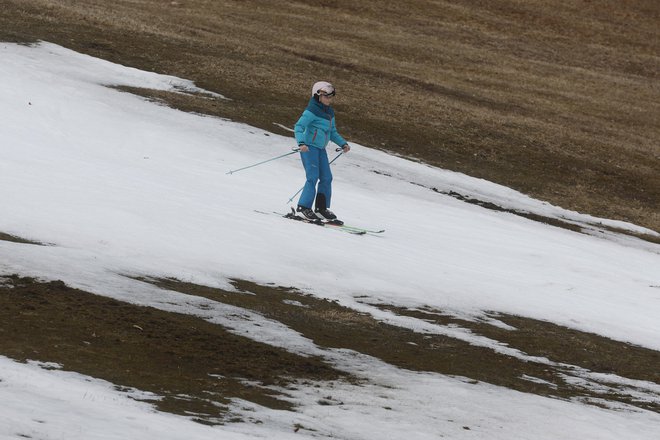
x,y
559,99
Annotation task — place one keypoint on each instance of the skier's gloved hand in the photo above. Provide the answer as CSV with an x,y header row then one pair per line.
x,y
346,148
303,148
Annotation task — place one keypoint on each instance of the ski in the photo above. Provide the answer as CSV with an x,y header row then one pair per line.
x,y
366,231
292,216
335,224
338,225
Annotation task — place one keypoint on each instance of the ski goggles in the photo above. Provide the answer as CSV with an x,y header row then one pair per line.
x,y
329,95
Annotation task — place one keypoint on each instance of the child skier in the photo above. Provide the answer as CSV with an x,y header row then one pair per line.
x,y
315,128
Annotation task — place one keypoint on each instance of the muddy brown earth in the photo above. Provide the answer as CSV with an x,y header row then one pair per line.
x,y
197,367
194,365
14,239
557,99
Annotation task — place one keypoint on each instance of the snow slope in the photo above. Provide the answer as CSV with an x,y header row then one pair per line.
x,y
118,185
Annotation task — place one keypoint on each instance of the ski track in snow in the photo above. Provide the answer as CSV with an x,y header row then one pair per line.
x,y
121,186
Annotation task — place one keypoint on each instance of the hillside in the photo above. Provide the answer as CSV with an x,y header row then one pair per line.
x,y
146,293
557,99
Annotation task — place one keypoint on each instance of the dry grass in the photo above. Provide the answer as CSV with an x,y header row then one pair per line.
x,y
14,239
331,325
196,366
558,99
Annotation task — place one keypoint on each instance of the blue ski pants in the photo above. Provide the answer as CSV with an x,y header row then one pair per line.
x,y
317,169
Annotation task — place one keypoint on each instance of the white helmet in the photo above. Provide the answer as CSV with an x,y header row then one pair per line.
x,y
323,86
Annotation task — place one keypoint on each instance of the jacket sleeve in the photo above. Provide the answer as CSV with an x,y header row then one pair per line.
x,y
301,126
335,136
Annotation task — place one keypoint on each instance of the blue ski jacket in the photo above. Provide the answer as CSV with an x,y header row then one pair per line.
x,y
316,127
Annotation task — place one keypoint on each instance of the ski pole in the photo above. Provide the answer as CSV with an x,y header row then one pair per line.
x,y
265,161
336,157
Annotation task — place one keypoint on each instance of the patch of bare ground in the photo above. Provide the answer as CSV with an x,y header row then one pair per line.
x,y
331,325
646,237
557,99
557,222
15,239
557,343
196,366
